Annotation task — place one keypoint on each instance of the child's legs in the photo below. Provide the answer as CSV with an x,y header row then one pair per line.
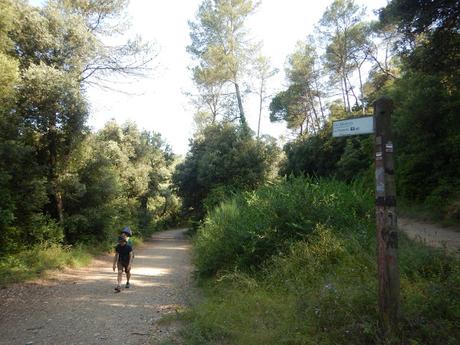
x,y
120,272
119,276
122,266
128,274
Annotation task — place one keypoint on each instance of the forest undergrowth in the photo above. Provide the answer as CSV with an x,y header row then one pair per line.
x,y
295,263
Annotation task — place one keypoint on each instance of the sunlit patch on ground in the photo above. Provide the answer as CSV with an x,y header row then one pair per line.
x,y
80,303
153,257
175,248
150,271
137,283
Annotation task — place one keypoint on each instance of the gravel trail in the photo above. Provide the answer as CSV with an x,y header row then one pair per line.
x,y
431,234
79,306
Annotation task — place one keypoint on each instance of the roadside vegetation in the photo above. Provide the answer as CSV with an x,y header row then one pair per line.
x,y
66,191
32,263
295,263
291,259
284,237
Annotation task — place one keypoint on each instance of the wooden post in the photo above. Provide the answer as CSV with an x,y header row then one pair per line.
x,y
387,235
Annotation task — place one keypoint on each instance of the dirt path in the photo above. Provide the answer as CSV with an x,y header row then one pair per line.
x,y
79,306
431,234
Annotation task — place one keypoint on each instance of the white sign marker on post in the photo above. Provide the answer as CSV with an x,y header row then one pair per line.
x,y
359,125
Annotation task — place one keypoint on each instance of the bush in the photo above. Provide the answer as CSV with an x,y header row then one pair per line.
x,y
296,264
253,226
33,262
223,155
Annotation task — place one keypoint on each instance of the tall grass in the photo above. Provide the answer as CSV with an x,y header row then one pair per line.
x,y
294,263
252,227
33,263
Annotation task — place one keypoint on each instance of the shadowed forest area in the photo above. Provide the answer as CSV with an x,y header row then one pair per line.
x,y
61,185
283,230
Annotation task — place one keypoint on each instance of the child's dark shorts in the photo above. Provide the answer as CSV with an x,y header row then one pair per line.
x,y
123,266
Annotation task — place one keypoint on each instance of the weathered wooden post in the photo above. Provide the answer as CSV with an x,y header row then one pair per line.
x,y
387,234
385,199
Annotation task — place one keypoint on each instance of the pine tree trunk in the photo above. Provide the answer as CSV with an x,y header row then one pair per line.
x,y
361,90
319,100
312,105
240,105
343,95
260,110
348,108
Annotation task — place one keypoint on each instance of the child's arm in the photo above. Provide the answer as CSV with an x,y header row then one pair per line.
x,y
130,259
115,259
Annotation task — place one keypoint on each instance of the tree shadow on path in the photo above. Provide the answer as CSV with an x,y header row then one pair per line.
x,y
80,306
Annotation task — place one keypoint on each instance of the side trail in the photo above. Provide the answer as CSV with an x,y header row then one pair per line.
x,y
79,306
431,234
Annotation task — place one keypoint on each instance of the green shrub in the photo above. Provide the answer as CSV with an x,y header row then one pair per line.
x,y
33,262
253,226
295,263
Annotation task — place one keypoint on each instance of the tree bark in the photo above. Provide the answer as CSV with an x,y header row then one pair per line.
x,y
361,90
56,197
343,95
59,206
240,105
319,100
315,113
261,101
347,108
353,92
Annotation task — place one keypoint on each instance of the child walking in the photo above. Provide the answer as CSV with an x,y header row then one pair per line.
x,y
122,260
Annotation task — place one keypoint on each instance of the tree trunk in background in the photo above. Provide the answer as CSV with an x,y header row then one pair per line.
x,y
353,92
57,206
240,105
343,95
347,105
361,90
261,100
319,100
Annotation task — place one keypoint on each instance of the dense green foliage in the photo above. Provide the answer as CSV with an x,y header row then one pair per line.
x,y
431,38
120,176
427,131
427,121
253,226
324,156
222,158
316,283
60,183
294,262
423,80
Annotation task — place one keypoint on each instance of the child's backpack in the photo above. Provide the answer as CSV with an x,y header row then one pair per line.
x,y
127,231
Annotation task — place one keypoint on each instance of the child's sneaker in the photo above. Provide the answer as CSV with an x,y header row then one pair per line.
x,y
117,288
127,285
